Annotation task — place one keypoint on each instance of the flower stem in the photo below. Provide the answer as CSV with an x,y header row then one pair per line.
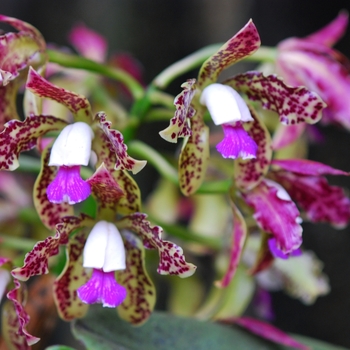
x,y
74,61
17,243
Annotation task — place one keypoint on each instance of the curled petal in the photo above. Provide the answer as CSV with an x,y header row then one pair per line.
x,y
241,45
179,125
68,186
276,214
102,288
116,144
171,258
16,320
277,253
293,104
77,104
19,136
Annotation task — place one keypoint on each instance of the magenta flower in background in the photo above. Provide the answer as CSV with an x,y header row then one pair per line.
x,y
312,62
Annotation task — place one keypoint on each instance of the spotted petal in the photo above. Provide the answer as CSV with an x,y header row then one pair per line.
x,y
293,104
8,109
276,214
116,143
15,320
73,276
106,190
179,124
19,136
194,157
171,258
241,45
50,213
249,172
77,104
141,294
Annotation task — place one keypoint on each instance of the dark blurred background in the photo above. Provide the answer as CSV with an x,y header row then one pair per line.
x,y
160,32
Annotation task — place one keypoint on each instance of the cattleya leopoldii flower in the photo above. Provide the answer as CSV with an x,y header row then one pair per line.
x,y
227,108
312,62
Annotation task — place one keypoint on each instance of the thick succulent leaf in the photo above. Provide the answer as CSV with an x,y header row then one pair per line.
x,y
194,157
276,213
320,201
141,293
101,329
115,143
307,167
249,172
15,320
332,32
77,104
269,332
106,190
50,213
302,277
179,125
19,136
73,276
241,45
36,261
239,236
293,104
25,28
171,258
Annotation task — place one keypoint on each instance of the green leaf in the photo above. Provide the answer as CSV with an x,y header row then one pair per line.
x,y
102,329
59,347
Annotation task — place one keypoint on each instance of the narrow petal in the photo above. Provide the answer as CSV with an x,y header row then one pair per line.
x,y
320,201
116,143
8,109
239,236
69,305
249,172
68,186
293,104
77,104
171,258
19,136
179,126
102,288
332,32
88,43
287,134
276,214
194,157
307,167
16,320
141,294
241,45
236,143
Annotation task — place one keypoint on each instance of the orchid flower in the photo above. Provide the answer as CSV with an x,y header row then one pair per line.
x,y
227,108
55,191
312,62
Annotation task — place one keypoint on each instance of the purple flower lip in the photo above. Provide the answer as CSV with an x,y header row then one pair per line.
x,y
68,186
